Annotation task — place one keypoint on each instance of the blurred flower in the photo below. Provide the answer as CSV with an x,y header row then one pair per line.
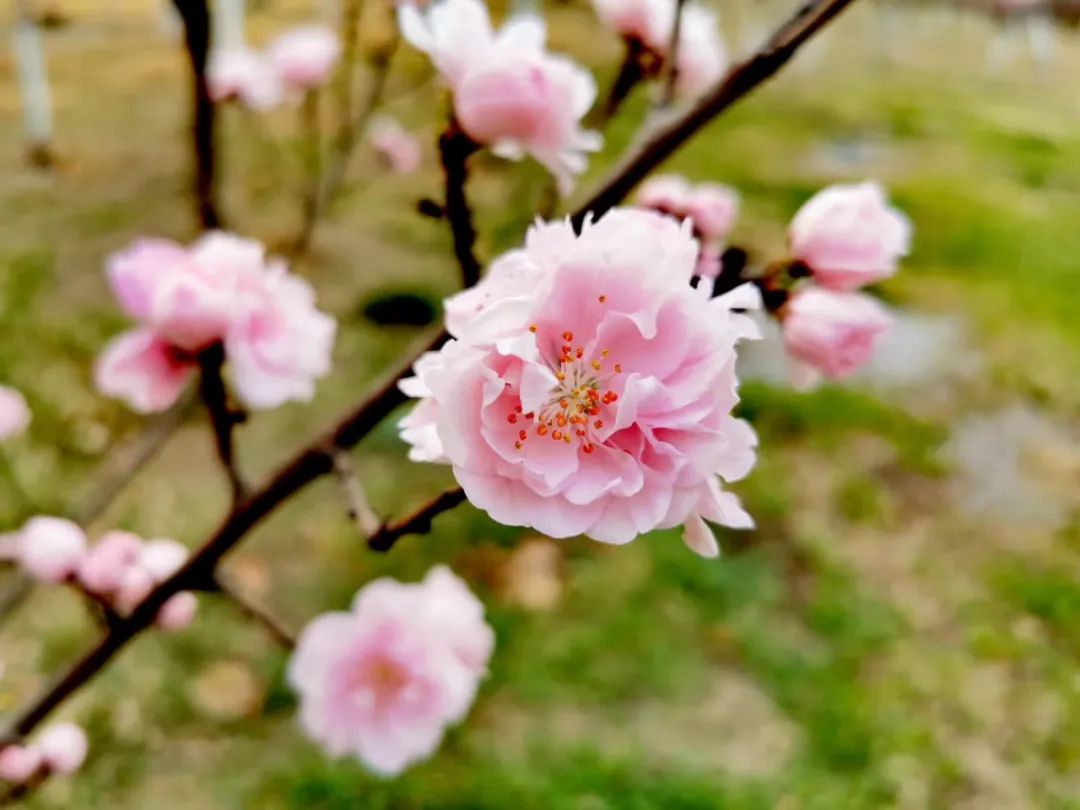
x,y
397,149
383,681
509,93
103,567
50,548
14,413
222,289
245,76
305,57
19,762
63,747
830,333
849,236
710,207
593,393
178,612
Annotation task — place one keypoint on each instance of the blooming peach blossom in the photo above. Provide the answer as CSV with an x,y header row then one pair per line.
x,y
509,93
50,548
14,413
18,763
143,370
593,393
383,681
397,149
135,272
305,57
711,208
102,569
245,76
830,333
63,748
849,236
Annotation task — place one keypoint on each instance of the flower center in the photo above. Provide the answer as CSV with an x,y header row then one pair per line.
x,y
578,404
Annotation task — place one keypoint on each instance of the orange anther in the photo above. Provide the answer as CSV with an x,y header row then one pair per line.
x,y
596,365
560,419
602,299
568,336
533,328
556,434
560,376
588,448
523,435
517,445
542,430
517,408
511,418
618,368
598,424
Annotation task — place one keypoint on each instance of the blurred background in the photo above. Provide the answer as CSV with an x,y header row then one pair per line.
x,y
902,629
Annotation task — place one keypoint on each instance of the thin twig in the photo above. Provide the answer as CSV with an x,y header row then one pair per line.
x,y
262,616
196,17
316,460
360,511
671,63
630,74
222,417
455,147
419,522
737,83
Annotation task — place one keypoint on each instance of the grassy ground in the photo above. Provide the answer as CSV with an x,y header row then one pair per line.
x,y
872,644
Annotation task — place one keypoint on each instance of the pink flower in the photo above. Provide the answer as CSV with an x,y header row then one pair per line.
x,y
162,558
19,762
383,681
177,613
14,413
50,548
246,76
849,236
103,568
509,93
142,370
305,57
135,272
592,394
830,333
63,748
397,149
710,207
646,21
278,344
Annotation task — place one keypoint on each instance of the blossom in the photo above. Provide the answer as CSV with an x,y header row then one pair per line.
x,y
305,57
646,21
384,680
589,388
18,763
849,235
14,413
63,748
103,567
829,333
397,149
51,549
222,289
710,207
509,93
246,76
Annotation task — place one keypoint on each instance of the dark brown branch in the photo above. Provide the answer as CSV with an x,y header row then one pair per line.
x,y
196,17
455,147
419,522
222,417
630,74
671,63
273,626
198,572
737,83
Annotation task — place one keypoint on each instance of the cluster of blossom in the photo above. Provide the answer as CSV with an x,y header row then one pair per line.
x,y
846,236
589,387
294,64
221,290
397,149
509,93
710,207
60,749
14,413
383,681
647,25
117,572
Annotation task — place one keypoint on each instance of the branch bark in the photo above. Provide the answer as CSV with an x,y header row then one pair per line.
x,y
222,417
419,522
736,84
455,147
196,17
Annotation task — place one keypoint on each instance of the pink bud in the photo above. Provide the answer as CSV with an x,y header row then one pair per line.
x,y
14,413
103,569
178,612
162,558
51,549
19,763
397,149
135,585
63,747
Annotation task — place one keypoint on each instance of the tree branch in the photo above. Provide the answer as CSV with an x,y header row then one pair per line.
x,y
631,72
273,626
737,83
196,17
360,511
455,147
671,64
419,522
222,417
